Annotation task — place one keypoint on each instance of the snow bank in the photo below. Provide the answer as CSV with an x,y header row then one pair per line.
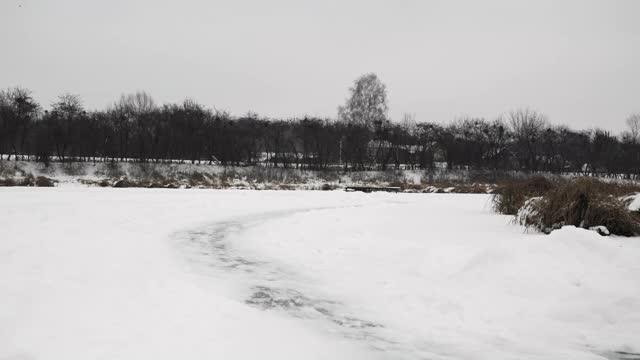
x,y
633,202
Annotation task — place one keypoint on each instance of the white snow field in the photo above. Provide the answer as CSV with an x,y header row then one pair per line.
x,y
90,273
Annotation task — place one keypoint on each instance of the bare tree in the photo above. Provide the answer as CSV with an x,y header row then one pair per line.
x,y
19,111
633,123
137,130
65,112
128,115
138,103
527,126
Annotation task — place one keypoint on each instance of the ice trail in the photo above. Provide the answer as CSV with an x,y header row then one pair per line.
x,y
275,288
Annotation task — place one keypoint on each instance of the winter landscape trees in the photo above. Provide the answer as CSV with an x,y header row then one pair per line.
x,y
363,137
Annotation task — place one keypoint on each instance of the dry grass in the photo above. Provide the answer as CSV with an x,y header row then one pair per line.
x,y
7,182
125,183
509,196
585,203
472,189
28,180
198,179
328,187
440,186
43,181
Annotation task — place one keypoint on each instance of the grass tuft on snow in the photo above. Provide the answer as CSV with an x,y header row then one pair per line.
x,y
584,202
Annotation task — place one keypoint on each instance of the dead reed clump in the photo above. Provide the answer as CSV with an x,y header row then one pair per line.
x,y
198,179
471,189
171,184
43,181
7,182
585,203
328,187
28,180
90,182
510,196
124,183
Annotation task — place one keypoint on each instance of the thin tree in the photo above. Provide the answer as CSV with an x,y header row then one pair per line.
x,y
633,124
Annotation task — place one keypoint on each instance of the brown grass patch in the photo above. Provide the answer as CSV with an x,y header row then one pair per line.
x,y
471,189
7,182
509,196
585,203
124,183
328,187
43,181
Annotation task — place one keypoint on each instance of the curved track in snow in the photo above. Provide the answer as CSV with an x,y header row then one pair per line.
x,y
272,287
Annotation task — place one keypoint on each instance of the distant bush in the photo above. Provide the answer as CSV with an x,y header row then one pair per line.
x,y
43,181
510,196
7,182
198,179
124,183
327,187
585,203
28,180
472,189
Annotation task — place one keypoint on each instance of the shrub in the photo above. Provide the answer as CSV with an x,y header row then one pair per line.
x,y
198,179
582,202
43,181
123,183
7,182
511,195
169,184
472,189
327,187
28,180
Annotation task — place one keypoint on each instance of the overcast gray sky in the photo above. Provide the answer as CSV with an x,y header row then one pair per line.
x,y
576,61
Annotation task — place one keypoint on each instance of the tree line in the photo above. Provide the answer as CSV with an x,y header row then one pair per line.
x,y
362,137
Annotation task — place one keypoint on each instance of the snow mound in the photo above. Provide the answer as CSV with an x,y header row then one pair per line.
x,y
633,202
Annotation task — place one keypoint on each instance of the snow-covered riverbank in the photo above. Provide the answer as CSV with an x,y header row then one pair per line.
x,y
152,273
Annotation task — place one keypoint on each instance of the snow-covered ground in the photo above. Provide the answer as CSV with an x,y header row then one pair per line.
x,y
90,273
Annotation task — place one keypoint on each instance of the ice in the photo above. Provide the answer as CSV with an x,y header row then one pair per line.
x,y
154,273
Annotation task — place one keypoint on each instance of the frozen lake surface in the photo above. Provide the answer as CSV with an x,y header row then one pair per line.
x,y
194,274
